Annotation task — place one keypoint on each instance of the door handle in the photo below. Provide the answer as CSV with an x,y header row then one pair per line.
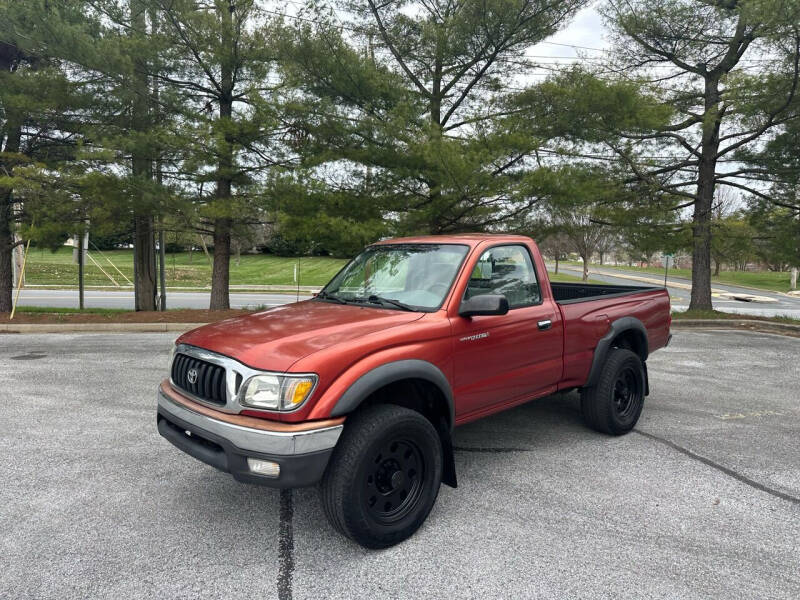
x,y
546,324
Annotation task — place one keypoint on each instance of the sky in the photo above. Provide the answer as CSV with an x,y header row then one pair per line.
x,y
585,30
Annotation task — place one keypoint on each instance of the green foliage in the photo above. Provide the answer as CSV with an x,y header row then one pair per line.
x,y
733,241
416,121
777,234
578,106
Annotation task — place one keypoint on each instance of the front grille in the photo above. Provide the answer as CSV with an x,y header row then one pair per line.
x,y
209,384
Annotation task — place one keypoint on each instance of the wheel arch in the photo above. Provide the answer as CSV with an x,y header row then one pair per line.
x,y
415,384
626,332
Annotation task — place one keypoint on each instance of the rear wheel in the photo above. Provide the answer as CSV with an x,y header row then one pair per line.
x,y
614,404
384,476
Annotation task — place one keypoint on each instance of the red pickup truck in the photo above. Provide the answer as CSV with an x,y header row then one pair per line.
x,y
359,388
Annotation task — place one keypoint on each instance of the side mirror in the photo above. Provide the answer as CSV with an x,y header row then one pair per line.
x,y
487,304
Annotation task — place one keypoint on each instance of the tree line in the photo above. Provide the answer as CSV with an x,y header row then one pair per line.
x,y
335,124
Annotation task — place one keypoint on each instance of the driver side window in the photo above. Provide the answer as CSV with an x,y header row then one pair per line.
x,y
506,270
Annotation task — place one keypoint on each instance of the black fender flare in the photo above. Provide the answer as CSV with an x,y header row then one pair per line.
x,y
618,327
387,373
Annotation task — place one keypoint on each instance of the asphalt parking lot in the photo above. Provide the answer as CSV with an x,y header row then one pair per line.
x,y
702,500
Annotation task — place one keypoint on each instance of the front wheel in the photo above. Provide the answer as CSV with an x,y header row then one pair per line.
x,y
614,404
384,476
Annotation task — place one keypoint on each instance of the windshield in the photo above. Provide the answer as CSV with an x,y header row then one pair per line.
x,y
401,276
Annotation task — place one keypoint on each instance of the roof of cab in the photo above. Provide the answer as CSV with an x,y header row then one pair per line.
x,y
471,239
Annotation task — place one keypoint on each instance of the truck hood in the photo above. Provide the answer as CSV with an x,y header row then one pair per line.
x,y
275,339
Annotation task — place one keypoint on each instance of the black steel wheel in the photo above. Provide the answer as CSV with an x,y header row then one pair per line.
x,y
394,479
615,403
384,475
627,392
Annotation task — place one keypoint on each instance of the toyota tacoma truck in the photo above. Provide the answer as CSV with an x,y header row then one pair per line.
x,y
359,388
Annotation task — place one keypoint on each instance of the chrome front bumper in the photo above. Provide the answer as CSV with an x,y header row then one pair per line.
x,y
249,440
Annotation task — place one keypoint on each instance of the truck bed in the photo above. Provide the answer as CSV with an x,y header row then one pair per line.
x,y
571,293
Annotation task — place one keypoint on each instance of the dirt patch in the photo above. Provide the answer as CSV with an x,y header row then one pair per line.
x,y
170,316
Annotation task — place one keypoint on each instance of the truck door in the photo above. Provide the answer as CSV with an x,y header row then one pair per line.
x,y
503,358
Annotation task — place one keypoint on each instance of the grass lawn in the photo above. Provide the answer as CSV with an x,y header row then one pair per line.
x,y
56,268
763,280
563,278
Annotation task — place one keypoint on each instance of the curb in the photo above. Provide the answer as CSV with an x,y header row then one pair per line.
x,y
740,324
97,327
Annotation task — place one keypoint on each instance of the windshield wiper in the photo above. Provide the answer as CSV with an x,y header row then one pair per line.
x,y
328,296
373,299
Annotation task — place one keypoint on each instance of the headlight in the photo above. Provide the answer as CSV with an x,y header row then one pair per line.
x,y
277,392
172,355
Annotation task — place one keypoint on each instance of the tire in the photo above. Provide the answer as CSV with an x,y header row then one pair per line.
x,y
383,477
615,403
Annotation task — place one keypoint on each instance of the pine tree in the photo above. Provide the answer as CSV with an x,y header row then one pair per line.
x,y
731,71
417,104
39,121
219,63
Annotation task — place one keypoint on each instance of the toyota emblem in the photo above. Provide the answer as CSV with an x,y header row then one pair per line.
x,y
191,376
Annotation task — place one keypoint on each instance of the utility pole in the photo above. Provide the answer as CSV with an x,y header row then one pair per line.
x,y
794,270
79,241
15,270
155,269
162,259
135,286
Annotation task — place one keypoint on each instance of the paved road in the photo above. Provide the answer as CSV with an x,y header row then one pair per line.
x,y
703,500
110,299
782,306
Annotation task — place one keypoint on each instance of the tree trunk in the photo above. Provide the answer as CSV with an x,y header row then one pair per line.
x,y
701,246
585,268
701,220
6,243
792,280
12,145
220,274
716,267
142,169
556,265
145,258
